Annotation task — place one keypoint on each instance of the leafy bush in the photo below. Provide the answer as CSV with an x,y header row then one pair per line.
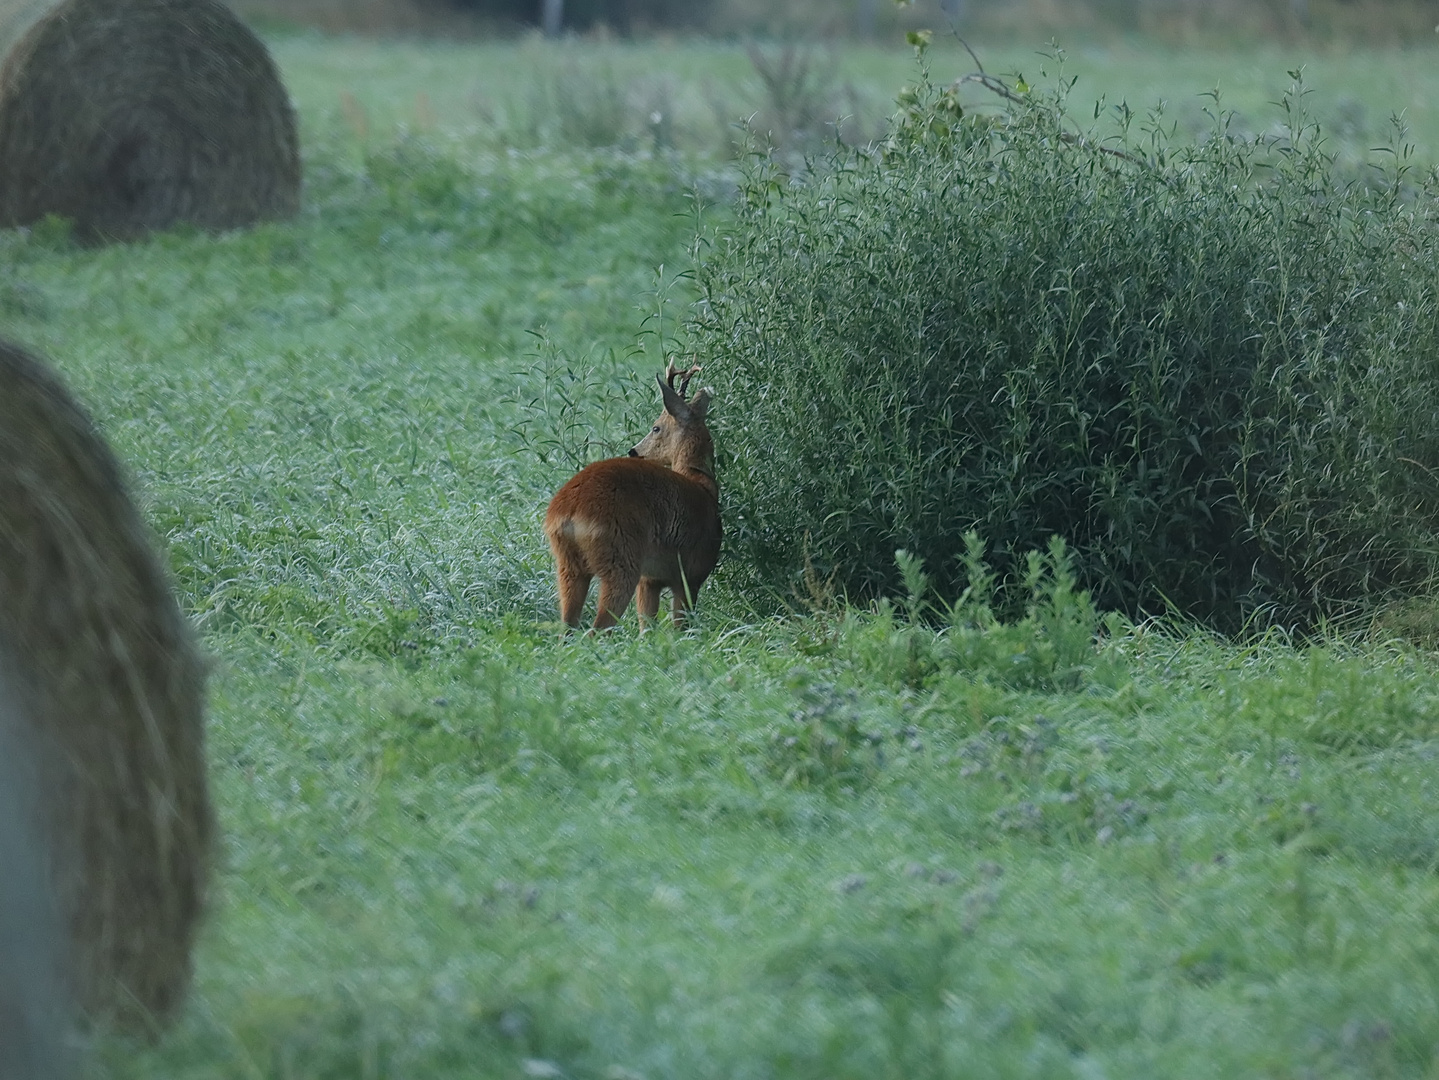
x,y
1211,367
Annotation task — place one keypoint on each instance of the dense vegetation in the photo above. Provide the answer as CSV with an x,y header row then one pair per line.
x,y
909,840
1207,365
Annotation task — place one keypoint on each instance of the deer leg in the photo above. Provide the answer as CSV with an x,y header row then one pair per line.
x,y
684,592
684,598
615,592
574,587
647,600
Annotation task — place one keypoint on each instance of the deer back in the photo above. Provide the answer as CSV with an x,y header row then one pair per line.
x,y
632,510
658,508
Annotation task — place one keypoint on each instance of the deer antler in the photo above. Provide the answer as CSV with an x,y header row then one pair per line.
x,y
685,376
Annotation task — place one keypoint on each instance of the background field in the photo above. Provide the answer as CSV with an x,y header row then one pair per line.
x,y
527,92
829,844
1231,22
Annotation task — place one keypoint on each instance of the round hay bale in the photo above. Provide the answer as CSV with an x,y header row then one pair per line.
x,y
133,115
17,16
108,673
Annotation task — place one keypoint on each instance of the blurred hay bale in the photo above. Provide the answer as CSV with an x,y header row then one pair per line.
x,y
132,115
107,671
17,16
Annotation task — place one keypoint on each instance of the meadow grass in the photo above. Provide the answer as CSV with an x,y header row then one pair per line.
x,y
831,844
511,93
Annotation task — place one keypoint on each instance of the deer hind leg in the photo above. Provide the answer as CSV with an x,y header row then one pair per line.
x,y
684,596
647,600
574,587
616,588
685,591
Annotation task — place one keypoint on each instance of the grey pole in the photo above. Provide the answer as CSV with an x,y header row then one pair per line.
x,y
34,1017
868,18
553,17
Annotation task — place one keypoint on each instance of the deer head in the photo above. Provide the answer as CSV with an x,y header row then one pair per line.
x,y
679,438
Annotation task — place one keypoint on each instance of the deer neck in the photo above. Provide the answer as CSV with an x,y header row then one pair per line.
x,y
701,470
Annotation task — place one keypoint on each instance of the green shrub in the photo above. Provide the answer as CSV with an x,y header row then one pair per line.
x,y
1211,367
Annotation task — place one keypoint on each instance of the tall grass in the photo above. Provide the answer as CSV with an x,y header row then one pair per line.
x,y
1207,365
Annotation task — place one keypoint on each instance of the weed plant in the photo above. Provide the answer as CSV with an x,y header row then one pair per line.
x,y
1051,647
1207,365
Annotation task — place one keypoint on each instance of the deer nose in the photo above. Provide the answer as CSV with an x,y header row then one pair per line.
x,y
634,452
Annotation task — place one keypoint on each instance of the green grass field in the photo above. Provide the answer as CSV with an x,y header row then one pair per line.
x,y
828,844
522,93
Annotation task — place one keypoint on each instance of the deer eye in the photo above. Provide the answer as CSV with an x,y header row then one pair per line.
x,y
655,428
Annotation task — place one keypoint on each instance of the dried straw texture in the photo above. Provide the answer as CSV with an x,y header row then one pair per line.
x,y
132,115
110,677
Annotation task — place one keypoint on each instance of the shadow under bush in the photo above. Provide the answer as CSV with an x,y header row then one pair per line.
x,y
1211,367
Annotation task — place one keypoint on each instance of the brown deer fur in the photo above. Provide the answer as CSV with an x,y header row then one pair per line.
x,y
642,523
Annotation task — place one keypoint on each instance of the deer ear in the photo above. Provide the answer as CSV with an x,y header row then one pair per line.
x,y
699,405
674,404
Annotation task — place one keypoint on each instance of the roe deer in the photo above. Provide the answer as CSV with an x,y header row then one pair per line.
x,y
642,523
